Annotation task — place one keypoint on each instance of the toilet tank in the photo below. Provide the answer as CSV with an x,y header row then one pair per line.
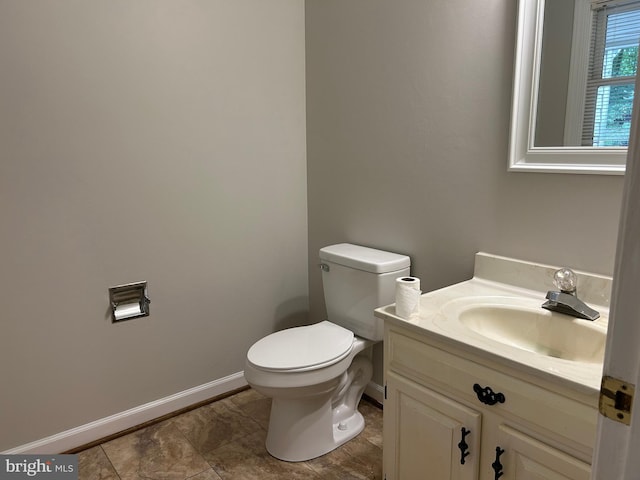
x,y
357,280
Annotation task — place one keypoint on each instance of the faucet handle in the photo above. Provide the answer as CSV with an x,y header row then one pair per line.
x,y
566,280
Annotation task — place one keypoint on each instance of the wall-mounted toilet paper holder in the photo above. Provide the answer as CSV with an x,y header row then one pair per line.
x,y
129,301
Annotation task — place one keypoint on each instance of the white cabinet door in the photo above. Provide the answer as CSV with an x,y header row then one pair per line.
x,y
422,433
525,458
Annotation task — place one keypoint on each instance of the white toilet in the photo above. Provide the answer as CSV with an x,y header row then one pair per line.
x,y
316,374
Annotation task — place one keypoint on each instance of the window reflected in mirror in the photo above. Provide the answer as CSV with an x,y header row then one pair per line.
x,y
587,73
612,76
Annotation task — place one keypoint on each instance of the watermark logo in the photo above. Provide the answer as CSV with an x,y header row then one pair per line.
x,y
49,467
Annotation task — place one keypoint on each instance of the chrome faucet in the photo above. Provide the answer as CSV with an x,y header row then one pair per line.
x,y
566,300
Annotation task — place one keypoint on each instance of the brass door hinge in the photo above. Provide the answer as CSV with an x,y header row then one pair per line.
x,y
616,398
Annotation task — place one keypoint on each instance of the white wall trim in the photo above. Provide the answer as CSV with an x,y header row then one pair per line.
x,y
375,391
118,422
524,156
578,73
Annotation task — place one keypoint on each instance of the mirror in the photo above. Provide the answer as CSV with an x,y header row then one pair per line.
x,y
553,83
570,111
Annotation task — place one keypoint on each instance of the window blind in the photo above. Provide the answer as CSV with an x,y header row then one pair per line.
x,y
615,37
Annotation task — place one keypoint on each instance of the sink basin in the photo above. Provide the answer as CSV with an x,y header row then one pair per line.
x,y
522,323
497,316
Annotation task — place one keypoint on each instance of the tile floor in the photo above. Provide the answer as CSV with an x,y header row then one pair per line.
x,y
225,440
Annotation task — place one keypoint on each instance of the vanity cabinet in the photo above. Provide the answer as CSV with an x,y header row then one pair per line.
x,y
450,415
530,459
424,431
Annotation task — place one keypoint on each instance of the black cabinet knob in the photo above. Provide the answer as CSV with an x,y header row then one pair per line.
x,y
487,396
497,466
462,445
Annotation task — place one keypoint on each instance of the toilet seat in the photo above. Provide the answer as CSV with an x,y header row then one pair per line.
x,y
302,348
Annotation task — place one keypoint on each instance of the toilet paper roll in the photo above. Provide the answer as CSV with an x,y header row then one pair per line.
x,y
407,297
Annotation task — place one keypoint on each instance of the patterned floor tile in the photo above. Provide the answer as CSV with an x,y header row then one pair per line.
x,y
93,464
213,425
159,452
253,405
224,440
246,458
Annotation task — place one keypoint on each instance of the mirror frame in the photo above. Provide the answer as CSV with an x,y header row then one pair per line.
x,y
523,155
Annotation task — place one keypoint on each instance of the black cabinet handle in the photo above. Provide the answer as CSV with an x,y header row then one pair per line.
x,y
497,466
464,448
487,396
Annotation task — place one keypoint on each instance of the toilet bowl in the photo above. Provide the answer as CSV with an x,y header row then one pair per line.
x,y
315,396
316,374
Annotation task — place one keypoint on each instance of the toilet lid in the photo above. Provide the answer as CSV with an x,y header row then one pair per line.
x,y
302,347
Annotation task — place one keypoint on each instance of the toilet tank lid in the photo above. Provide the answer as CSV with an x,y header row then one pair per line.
x,y
364,258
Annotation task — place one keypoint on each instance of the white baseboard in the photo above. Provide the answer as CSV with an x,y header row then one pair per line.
x,y
375,391
104,427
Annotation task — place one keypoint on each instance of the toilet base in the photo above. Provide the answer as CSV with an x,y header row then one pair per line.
x,y
312,434
348,429
312,421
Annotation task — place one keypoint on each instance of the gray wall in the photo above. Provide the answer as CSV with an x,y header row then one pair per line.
x,y
165,141
407,132
151,140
